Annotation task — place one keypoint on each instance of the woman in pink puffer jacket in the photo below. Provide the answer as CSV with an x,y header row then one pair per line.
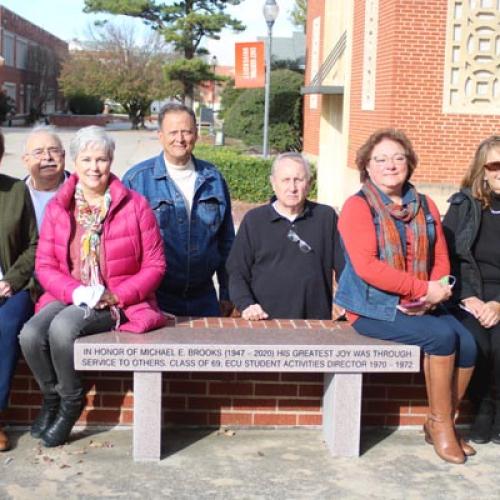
x,y
99,260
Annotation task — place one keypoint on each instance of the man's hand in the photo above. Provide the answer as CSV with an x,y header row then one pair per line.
x,y
226,308
5,289
254,313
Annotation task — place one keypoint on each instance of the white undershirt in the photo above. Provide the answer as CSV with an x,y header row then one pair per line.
x,y
40,200
184,178
291,218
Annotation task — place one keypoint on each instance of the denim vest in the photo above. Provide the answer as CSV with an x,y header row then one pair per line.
x,y
357,296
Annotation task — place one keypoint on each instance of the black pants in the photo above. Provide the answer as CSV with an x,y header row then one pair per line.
x,y
487,371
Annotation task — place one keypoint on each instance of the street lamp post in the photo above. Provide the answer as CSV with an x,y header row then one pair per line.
x,y
270,11
214,65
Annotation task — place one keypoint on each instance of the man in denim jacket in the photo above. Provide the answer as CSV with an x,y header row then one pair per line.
x,y
191,201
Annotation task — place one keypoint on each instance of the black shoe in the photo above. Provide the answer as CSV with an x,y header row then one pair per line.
x,y
45,417
481,430
495,430
58,433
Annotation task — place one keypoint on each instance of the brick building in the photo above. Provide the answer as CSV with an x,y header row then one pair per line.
x,y
30,68
370,64
430,69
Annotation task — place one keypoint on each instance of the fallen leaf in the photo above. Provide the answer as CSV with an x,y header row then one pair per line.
x,y
8,461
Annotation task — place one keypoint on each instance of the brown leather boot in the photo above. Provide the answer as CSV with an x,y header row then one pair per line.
x,y
4,441
460,384
439,428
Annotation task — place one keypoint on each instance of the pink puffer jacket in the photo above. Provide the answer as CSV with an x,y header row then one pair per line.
x,y
131,245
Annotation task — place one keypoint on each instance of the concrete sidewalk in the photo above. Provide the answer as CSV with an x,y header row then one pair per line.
x,y
132,146
244,464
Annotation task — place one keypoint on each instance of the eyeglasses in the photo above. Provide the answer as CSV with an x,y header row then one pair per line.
x,y
383,160
40,152
295,238
492,166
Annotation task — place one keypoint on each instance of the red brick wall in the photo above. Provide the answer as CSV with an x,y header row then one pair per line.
x,y
246,399
409,90
23,28
312,117
79,120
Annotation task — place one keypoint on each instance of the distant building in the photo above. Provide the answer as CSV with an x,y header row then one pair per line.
x,y
432,71
289,48
31,64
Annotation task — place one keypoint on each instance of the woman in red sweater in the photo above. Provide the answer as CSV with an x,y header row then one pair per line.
x,y
396,278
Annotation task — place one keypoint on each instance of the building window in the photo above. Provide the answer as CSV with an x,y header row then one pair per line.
x,y
8,44
29,97
21,53
11,91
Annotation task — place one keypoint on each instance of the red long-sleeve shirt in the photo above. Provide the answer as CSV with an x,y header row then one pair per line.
x,y
358,233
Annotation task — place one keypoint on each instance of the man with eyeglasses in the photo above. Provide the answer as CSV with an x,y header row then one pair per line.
x,y
44,158
283,256
191,202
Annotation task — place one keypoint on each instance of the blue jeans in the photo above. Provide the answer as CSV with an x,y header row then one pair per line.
x,y
47,342
203,305
438,333
14,312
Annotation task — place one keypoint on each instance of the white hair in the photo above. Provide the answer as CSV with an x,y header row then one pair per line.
x,y
41,129
94,137
294,156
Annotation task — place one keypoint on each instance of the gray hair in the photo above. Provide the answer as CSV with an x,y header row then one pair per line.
x,y
294,156
94,137
42,129
175,107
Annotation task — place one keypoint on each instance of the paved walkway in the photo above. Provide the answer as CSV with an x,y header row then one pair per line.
x,y
132,146
244,464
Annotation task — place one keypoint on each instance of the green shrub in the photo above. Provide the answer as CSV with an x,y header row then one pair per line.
x,y
244,118
247,176
85,105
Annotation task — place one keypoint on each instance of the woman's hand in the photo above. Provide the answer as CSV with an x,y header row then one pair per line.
x,y
437,293
490,314
5,289
474,305
107,299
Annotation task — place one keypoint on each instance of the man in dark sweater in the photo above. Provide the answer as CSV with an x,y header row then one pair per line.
x,y
281,262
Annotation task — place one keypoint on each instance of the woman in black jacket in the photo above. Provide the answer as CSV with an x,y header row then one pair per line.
x,y
472,229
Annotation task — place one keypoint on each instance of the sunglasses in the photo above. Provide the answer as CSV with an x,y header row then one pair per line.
x,y
492,166
295,238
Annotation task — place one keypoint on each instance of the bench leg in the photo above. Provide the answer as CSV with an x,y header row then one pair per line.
x,y
147,416
342,413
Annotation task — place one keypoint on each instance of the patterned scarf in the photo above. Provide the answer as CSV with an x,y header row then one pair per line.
x,y
389,239
91,218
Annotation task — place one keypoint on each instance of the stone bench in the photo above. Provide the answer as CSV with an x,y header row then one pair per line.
x,y
235,345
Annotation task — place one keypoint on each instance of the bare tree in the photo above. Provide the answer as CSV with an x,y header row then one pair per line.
x,y
44,65
113,64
